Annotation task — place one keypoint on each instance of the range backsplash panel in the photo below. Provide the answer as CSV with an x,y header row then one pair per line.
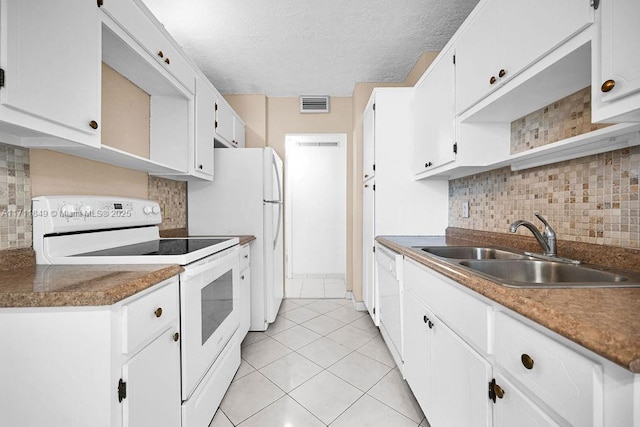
x,y
172,197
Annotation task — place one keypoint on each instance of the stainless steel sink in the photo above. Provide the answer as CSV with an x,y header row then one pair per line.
x,y
547,274
470,252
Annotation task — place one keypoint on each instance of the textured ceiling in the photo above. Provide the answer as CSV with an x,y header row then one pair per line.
x,y
308,47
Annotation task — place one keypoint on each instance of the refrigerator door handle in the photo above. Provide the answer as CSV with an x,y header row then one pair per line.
x,y
275,239
277,172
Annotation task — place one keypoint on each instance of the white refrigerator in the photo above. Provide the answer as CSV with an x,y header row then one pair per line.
x,y
245,198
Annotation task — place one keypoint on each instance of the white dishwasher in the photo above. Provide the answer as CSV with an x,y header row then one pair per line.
x,y
391,291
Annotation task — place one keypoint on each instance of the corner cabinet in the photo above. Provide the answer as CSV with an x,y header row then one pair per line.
x,y
615,89
205,129
229,128
114,366
51,79
245,290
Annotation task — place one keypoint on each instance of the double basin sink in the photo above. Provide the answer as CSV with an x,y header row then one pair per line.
x,y
519,270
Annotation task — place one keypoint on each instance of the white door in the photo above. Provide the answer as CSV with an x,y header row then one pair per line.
x,y
316,204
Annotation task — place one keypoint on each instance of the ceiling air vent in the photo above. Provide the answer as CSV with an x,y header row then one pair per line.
x,y
314,104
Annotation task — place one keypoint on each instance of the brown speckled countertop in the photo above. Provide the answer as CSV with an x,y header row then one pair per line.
x,y
183,232
603,320
78,285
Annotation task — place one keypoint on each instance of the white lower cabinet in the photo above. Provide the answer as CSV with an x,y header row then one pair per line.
x,y
245,290
99,366
472,362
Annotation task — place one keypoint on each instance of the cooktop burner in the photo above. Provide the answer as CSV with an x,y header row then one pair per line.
x,y
157,247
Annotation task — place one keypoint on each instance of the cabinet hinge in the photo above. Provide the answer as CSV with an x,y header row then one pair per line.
x,y
374,310
1,77
100,3
374,249
374,166
454,60
122,390
374,107
595,4
215,124
216,107
374,187
455,148
492,390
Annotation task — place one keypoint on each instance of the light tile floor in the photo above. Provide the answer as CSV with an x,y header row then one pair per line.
x,y
321,363
315,287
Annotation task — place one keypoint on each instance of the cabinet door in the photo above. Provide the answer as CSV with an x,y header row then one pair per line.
x,y
477,56
238,132
459,379
435,116
529,31
224,121
51,58
368,142
153,384
245,301
515,409
620,47
368,270
417,350
205,128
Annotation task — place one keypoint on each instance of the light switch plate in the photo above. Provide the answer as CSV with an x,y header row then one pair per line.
x,y
465,210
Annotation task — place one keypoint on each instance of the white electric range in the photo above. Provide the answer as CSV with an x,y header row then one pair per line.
x,y
118,230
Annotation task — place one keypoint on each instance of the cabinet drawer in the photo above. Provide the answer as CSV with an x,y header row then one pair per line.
x,y
245,257
144,30
568,382
466,315
145,317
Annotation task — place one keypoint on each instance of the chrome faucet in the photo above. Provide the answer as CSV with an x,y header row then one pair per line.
x,y
547,238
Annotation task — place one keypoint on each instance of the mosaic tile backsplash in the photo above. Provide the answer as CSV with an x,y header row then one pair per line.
x,y
563,119
592,199
172,196
15,198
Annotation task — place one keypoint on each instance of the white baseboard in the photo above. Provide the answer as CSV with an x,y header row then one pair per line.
x,y
357,305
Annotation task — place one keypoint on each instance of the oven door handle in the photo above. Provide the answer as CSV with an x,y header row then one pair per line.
x,y
211,264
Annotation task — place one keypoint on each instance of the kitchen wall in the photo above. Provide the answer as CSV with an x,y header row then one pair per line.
x,y
253,111
592,199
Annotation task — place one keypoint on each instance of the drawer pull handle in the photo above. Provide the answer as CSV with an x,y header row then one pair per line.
x,y
167,60
527,361
158,312
608,85
492,80
160,54
176,337
502,73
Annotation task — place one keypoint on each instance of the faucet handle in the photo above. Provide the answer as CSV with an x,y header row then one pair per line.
x,y
544,221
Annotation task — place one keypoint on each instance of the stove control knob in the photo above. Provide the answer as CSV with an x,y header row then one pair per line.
x,y
68,211
85,210
147,210
156,210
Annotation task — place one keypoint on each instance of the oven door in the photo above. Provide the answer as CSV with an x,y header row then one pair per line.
x,y
210,313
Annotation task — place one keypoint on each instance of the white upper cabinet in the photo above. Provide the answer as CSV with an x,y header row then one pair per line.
x,y
506,36
145,29
50,55
239,135
434,116
205,128
224,120
616,71
368,141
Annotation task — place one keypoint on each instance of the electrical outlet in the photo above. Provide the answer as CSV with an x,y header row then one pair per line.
x,y
465,210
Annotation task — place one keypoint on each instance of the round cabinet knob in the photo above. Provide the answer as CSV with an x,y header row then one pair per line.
x,y
85,210
147,210
93,124
68,211
246,257
176,337
608,85
167,60
200,167
527,361
425,319
155,210
498,391
160,54
492,80
242,277
158,312
426,165
366,186
366,175
502,73
430,324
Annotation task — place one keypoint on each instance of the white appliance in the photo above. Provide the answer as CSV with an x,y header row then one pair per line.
x,y
245,198
108,230
391,294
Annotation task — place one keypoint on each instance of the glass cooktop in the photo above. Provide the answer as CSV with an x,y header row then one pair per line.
x,y
157,247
